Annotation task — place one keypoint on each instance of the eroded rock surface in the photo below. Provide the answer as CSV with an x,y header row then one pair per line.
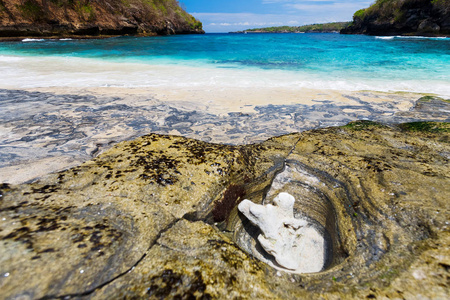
x,y
157,218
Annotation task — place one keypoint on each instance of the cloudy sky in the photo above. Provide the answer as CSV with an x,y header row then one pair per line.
x,y
232,15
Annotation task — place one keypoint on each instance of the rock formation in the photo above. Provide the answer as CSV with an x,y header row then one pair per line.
x,y
157,218
403,17
93,18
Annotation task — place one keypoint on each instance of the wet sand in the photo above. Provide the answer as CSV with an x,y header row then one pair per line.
x,y
51,129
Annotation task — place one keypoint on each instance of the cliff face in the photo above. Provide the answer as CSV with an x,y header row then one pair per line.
x,y
403,17
45,18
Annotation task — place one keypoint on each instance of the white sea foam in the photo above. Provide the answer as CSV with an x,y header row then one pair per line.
x,y
422,37
36,72
33,40
68,39
411,37
385,37
10,58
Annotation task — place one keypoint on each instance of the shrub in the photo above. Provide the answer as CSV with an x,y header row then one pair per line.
x,y
360,14
86,11
31,10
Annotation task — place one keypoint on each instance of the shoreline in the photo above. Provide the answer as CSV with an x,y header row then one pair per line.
x,y
52,129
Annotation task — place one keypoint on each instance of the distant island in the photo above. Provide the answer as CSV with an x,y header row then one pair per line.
x,y
402,17
85,18
326,27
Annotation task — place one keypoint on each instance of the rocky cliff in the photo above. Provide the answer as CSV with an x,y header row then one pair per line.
x,y
403,17
72,18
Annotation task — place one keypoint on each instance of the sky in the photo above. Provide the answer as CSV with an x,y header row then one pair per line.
x,y
234,15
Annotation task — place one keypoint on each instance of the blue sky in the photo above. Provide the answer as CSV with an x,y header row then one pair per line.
x,y
232,15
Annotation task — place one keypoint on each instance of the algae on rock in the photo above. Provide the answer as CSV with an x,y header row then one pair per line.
x,y
138,222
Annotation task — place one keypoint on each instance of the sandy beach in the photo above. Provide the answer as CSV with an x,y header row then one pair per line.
x,y
55,128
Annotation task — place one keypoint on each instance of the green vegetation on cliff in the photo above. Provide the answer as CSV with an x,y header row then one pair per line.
x,y
327,27
403,17
42,18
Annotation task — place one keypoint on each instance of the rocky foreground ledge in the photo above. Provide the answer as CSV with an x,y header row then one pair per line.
x,y
156,218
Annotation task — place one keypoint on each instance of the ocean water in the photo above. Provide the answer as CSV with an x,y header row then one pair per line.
x,y
312,60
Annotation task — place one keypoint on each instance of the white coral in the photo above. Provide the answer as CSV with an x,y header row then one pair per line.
x,y
281,231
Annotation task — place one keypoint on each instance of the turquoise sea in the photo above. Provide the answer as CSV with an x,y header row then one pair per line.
x,y
312,60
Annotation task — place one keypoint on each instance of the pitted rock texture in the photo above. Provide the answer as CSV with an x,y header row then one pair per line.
x,y
138,221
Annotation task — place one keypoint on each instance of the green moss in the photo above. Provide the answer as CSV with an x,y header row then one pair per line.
x,y
87,11
125,3
433,127
426,98
362,125
31,10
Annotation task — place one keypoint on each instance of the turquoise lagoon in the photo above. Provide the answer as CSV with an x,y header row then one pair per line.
x,y
309,60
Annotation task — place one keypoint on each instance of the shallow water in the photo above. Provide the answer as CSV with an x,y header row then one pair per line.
x,y
64,101
321,61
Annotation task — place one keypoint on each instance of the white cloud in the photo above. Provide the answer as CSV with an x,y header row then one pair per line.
x,y
224,22
294,13
328,8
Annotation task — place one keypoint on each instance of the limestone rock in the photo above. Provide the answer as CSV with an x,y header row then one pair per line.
x,y
138,222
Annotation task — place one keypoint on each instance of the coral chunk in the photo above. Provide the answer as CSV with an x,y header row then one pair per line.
x,y
281,233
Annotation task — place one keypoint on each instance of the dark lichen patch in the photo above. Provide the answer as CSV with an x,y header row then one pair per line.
x,y
23,235
231,197
163,159
46,189
175,285
95,237
432,127
161,169
4,188
234,256
47,224
33,226
376,165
